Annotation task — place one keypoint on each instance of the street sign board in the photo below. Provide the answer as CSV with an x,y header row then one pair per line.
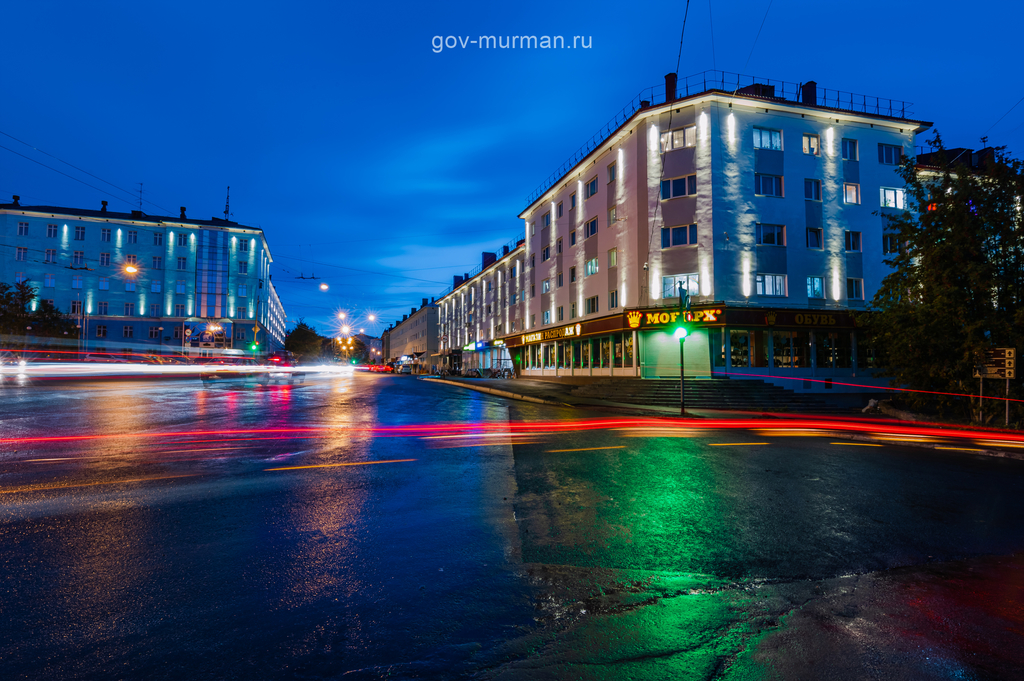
x,y
995,372
999,363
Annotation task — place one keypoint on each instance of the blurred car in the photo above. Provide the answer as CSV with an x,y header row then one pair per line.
x,y
405,369
236,370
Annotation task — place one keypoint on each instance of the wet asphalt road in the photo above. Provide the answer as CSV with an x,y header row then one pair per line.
x,y
354,526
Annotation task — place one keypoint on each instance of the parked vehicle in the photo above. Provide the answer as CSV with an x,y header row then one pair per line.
x,y
234,370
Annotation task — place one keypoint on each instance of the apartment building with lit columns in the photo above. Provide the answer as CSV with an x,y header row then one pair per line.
x,y
760,198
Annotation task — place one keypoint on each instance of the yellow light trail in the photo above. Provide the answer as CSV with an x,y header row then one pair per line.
x,y
735,444
19,490
584,449
855,444
335,465
961,449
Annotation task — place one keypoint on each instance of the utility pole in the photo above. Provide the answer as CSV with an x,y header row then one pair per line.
x,y
227,204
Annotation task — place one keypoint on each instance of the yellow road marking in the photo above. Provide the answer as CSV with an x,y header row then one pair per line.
x,y
92,484
962,449
735,444
335,465
856,444
585,449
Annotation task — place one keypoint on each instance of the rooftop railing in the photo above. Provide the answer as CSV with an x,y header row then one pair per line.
x,y
511,244
752,86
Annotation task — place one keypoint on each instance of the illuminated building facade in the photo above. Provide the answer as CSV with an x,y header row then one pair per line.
x,y
413,340
146,283
759,198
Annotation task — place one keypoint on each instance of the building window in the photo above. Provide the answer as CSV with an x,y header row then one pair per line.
x,y
239,334
853,241
179,286
677,139
546,253
670,285
182,263
590,267
49,280
154,331
103,308
767,139
851,192
849,150
682,235
104,283
158,238
155,287
814,237
590,305
572,238
242,313
22,229
76,281
855,289
51,255
21,253
105,234
179,310
572,275
533,263
79,233
546,220
558,278
129,286
770,235
558,246
129,309
512,271
158,262
101,330
815,287
558,209
243,290
183,239
20,278
613,256
613,300
812,144
590,189
533,228
611,173
613,215
76,307
243,245
131,260
533,320
590,228
533,294
679,186
572,201
812,190
243,268
51,231
767,185
547,316
105,259
154,311
514,297
127,332
178,332
545,286
891,198
770,284
133,237
572,311
889,154
890,244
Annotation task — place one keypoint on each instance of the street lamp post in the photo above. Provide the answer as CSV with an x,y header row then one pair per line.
x,y
680,333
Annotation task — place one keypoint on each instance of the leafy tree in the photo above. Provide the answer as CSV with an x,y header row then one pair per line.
x,y
46,320
957,286
304,342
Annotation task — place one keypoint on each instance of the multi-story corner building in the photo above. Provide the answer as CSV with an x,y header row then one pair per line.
x,y
143,283
413,340
760,199
482,307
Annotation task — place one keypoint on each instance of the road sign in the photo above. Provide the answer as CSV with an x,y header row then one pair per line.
x,y
999,363
995,372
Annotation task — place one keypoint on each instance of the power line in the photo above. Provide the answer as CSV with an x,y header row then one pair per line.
x,y
1005,115
353,269
756,37
103,191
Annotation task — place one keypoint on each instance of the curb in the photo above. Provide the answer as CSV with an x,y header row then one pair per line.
x,y
499,393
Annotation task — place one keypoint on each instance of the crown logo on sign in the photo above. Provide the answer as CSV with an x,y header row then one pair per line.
x,y
770,318
634,319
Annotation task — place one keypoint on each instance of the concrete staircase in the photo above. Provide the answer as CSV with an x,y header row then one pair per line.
x,y
722,393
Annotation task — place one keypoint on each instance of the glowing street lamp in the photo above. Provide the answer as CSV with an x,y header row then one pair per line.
x,y
324,287
131,269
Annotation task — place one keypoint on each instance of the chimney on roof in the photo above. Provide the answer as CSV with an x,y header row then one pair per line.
x,y
456,280
504,250
183,212
412,311
488,259
103,205
404,317
424,304
16,199
670,87
136,213
431,300
465,277
809,93
644,103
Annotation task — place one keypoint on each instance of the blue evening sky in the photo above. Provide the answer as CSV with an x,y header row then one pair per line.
x,y
384,167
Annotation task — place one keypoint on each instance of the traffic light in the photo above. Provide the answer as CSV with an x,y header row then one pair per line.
x,y
254,346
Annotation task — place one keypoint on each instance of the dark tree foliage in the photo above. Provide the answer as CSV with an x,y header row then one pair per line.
x,y
304,342
46,321
957,288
